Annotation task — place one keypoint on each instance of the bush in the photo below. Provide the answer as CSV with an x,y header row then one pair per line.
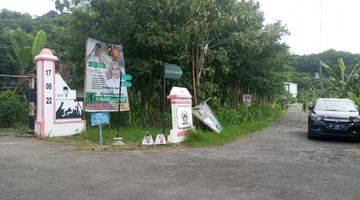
x,y
12,109
242,114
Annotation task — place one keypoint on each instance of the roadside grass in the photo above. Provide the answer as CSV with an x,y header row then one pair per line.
x,y
132,137
20,129
230,133
236,124
201,138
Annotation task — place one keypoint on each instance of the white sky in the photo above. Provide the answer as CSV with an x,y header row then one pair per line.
x,y
33,7
340,27
340,21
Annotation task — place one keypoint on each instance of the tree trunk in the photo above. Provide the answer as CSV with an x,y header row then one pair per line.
x,y
198,58
32,107
193,68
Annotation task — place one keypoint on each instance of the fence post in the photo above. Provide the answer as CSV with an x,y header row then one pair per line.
x,y
32,107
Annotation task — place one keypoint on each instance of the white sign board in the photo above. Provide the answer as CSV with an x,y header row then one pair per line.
x,y
184,116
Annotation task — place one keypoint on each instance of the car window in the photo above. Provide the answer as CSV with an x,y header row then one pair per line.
x,y
335,105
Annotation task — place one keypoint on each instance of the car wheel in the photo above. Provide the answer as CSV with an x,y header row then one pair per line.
x,y
310,135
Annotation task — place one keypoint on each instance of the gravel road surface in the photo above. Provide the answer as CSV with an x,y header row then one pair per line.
x,y
277,163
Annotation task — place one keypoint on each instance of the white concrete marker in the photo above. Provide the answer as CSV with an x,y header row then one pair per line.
x,y
148,140
160,139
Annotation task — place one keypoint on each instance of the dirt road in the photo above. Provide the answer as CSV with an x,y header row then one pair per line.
x,y
277,163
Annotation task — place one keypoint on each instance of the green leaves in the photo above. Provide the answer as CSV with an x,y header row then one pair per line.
x,y
341,65
39,43
329,70
345,81
322,63
24,56
24,53
16,42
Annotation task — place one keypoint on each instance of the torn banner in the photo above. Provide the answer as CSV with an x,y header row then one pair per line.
x,y
204,114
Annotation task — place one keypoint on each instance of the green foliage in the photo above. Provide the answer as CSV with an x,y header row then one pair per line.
x,y
222,46
13,109
345,79
39,43
235,116
21,128
310,63
19,40
24,51
340,75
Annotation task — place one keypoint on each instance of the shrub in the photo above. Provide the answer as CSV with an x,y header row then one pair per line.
x,y
242,114
12,109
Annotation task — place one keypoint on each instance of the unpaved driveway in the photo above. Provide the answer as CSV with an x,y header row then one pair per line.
x,y
277,163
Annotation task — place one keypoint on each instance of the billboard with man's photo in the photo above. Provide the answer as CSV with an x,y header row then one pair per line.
x,y
104,63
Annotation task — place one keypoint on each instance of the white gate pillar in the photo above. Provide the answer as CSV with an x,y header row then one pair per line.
x,y
49,121
181,114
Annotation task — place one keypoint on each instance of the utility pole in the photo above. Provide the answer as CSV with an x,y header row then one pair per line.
x,y
321,80
321,68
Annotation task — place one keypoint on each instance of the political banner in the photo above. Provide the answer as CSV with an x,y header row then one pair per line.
x,y
205,114
104,63
247,99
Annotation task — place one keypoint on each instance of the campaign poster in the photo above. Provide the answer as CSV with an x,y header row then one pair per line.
x,y
247,99
104,65
205,114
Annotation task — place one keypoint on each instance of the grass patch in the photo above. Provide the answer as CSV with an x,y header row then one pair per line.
x,y
229,134
20,129
129,135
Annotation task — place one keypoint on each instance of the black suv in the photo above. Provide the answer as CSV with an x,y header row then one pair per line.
x,y
332,116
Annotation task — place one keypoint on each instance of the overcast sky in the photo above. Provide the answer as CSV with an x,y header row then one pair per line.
x,y
340,26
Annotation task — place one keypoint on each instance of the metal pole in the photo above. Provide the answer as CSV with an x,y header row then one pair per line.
x,y
100,136
163,111
119,106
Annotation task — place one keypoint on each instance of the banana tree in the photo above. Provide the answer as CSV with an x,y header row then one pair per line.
x,y
344,79
24,53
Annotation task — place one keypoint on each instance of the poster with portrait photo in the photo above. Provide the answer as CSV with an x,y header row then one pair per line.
x,y
104,65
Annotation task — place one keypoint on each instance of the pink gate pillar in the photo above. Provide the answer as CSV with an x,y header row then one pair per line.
x,y
58,114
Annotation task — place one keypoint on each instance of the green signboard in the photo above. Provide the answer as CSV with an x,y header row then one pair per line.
x,y
122,99
126,77
172,71
125,84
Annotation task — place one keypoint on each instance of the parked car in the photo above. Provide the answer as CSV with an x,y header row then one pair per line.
x,y
332,116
